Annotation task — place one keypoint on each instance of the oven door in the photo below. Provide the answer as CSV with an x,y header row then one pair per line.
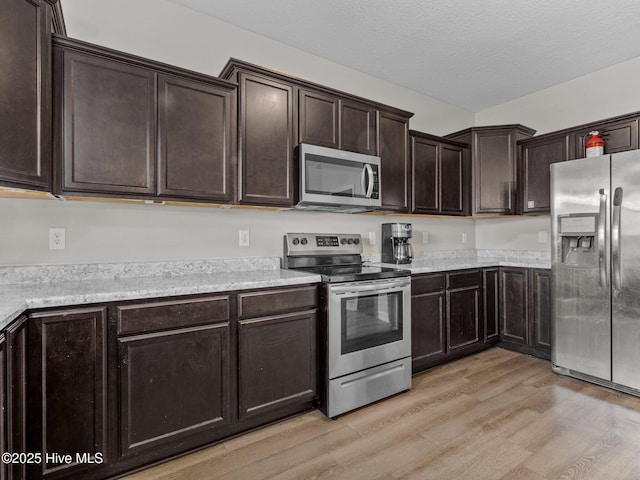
x,y
369,324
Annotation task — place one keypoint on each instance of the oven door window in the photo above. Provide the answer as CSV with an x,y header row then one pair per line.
x,y
370,320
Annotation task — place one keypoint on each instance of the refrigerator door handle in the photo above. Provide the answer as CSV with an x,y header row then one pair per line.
x,y
615,239
602,255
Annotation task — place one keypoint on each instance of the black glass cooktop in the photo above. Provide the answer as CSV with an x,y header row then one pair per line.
x,y
354,273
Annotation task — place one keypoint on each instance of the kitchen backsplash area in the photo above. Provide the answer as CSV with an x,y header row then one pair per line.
x,y
112,232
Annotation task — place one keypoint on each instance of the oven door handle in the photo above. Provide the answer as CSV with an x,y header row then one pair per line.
x,y
371,287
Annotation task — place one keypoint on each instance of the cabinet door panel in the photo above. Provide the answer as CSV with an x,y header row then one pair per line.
x,y
491,303
68,387
318,117
277,362
494,172
394,159
25,99
463,317
109,126
618,136
536,159
17,346
357,127
452,174
194,139
266,165
427,327
513,305
539,311
3,404
174,384
426,175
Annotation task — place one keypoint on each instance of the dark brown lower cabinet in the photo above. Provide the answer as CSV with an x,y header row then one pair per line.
x,y
446,317
491,303
525,318
17,347
67,391
3,404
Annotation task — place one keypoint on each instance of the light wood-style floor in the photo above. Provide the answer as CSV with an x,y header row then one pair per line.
x,y
495,415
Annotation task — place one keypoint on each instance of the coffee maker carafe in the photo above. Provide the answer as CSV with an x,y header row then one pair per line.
x,y
395,243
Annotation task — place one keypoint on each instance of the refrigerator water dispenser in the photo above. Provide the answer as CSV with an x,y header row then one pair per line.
x,y
578,247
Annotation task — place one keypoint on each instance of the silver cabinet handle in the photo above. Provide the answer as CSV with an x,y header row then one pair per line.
x,y
615,239
602,250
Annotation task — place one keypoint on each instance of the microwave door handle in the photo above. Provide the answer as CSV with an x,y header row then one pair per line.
x,y
369,171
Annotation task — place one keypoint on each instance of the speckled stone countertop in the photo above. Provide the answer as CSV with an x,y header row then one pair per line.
x,y
30,287
427,262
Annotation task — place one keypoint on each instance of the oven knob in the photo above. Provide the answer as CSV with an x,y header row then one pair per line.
x,y
343,241
356,241
350,241
303,241
295,241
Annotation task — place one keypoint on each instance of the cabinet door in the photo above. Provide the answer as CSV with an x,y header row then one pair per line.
x,y
68,389
494,172
194,137
25,99
539,309
618,136
513,305
464,309
174,385
277,363
16,345
491,302
428,323
266,133
425,161
108,125
535,177
357,127
3,404
318,118
453,180
393,137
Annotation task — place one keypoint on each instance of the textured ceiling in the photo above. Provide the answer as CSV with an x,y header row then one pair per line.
x,y
474,54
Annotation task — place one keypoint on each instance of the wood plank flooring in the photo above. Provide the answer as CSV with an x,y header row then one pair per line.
x,y
494,415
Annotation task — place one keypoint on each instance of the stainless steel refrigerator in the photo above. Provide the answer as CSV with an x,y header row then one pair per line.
x,y
595,298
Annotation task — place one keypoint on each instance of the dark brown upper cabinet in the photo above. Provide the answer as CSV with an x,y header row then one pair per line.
x,y
494,166
129,127
393,149
619,134
357,127
440,175
25,96
318,117
536,156
278,111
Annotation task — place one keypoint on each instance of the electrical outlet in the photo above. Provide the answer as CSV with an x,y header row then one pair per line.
x,y
57,239
372,238
542,237
425,237
243,238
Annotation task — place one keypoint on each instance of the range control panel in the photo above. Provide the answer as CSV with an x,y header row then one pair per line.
x,y
322,244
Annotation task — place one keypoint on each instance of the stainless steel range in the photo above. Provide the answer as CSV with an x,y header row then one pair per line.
x,y
367,320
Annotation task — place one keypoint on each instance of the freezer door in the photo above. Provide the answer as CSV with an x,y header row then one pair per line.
x,y
625,268
580,266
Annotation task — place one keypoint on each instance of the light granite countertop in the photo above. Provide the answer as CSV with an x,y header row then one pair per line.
x,y
15,298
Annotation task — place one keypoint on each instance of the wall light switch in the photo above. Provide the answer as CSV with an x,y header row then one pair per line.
x,y
57,239
243,238
464,237
425,237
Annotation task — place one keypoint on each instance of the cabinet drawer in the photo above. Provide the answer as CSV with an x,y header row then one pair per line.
x,y
427,283
470,278
257,304
145,317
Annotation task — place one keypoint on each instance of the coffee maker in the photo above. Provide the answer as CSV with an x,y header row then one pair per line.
x,y
395,243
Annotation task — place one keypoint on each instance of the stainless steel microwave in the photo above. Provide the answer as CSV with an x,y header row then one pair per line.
x,y
335,180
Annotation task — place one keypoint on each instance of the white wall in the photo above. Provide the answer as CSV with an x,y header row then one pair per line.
x,y
113,232
517,233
